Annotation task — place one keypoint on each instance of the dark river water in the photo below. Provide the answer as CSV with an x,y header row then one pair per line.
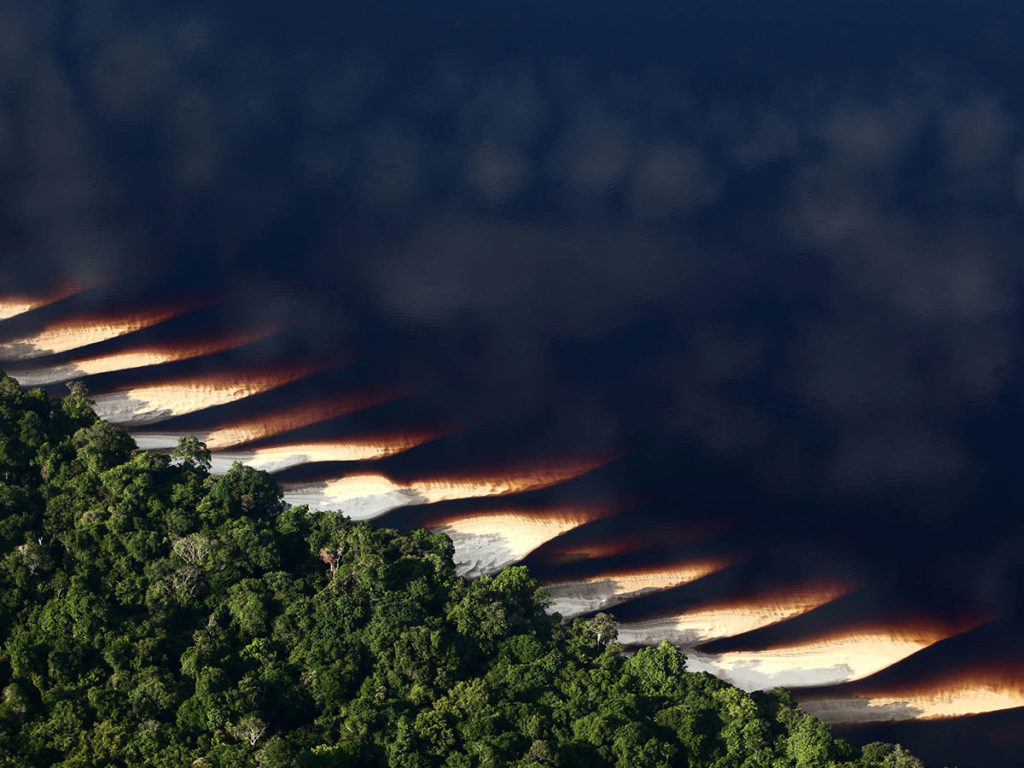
x,y
708,312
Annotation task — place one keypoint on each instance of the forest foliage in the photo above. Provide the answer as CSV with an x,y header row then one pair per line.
x,y
154,614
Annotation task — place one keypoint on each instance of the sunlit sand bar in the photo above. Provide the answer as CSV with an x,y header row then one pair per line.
x,y
364,496
148,404
131,359
278,457
14,305
66,335
604,590
966,697
730,618
487,542
843,657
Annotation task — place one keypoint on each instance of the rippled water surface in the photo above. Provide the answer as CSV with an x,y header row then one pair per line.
x,y
709,314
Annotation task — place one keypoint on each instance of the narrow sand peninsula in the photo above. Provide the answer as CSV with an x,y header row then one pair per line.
x,y
291,417
595,593
363,496
486,543
727,619
124,361
72,334
838,659
148,404
286,419
968,698
12,306
278,457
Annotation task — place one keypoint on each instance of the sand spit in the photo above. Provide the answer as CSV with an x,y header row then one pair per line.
x,y
148,404
600,592
295,416
276,422
123,361
278,457
959,700
363,496
727,619
487,542
12,306
71,334
841,658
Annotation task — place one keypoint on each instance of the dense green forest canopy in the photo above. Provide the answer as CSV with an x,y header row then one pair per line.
x,y
154,614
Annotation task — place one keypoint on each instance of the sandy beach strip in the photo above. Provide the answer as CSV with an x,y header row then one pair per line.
x,y
732,617
151,403
607,589
152,355
65,335
845,656
18,304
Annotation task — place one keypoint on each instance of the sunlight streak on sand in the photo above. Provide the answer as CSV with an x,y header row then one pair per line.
x,y
278,457
958,699
283,419
14,305
365,495
293,416
729,618
841,658
139,358
489,541
147,404
66,335
604,590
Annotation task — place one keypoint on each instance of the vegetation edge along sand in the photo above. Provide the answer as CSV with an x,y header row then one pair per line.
x,y
152,613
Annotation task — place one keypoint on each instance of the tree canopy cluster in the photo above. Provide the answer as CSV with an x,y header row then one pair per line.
x,y
154,614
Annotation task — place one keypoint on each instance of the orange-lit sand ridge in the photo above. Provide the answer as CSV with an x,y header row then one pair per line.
x,y
487,541
293,416
949,692
72,333
939,689
282,419
154,354
844,656
278,457
14,305
366,495
150,403
732,617
612,587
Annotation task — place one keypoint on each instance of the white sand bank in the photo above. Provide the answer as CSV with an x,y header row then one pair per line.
x,y
595,593
67,335
488,542
358,494
278,457
838,659
290,417
14,305
124,361
710,622
953,701
149,404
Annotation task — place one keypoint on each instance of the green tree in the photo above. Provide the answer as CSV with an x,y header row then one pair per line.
x,y
193,453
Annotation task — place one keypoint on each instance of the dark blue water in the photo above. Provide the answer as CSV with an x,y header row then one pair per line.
x,y
766,260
